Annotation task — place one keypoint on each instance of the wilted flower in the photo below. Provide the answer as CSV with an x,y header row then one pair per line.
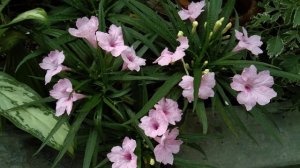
x,y
254,88
112,41
168,145
205,90
155,124
193,11
168,57
251,43
64,93
124,157
53,64
169,109
131,61
86,28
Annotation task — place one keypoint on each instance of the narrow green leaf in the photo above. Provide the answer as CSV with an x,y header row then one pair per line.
x,y
296,21
83,112
102,163
161,92
29,57
269,127
201,113
90,147
183,163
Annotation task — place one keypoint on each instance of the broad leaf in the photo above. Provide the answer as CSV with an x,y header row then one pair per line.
x,y
37,119
275,46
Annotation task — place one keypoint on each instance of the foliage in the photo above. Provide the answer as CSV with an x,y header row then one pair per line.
x,y
116,99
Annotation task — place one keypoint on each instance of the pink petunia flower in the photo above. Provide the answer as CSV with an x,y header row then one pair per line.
x,y
86,28
193,11
112,41
169,109
124,157
167,57
131,61
64,93
155,124
208,82
254,88
251,43
168,145
53,64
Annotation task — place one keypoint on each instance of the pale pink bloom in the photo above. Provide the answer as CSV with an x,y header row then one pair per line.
x,y
169,109
124,157
131,61
254,88
167,57
86,28
207,84
53,64
251,43
112,41
64,93
168,145
193,11
155,124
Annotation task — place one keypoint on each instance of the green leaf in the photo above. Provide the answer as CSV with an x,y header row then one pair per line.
x,y
182,163
201,113
90,147
296,21
275,46
38,14
28,57
37,119
161,92
3,4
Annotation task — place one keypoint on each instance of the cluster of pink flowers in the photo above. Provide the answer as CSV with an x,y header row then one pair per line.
x,y
111,42
205,90
253,87
165,112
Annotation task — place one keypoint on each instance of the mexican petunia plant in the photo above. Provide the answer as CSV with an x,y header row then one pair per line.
x,y
126,77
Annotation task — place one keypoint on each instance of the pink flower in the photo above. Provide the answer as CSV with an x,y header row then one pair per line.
x,y
112,41
53,64
254,88
124,157
168,57
205,90
155,124
64,93
193,11
169,109
131,61
168,145
86,28
251,43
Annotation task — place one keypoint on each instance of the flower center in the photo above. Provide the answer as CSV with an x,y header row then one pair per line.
x,y
128,156
248,87
155,125
130,58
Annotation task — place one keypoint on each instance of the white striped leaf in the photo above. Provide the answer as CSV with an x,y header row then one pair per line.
x,y
38,120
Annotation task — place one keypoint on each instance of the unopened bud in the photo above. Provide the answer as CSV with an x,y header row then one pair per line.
x,y
180,34
205,24
210,35
195,25
227,27
218,24
206,71
152,162
205,63
226,37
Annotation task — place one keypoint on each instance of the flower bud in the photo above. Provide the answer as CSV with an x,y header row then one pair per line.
x,y
226,37
206,71
227,27
180,34
205,24
152,162
210,35
218,24
205,63
195,25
